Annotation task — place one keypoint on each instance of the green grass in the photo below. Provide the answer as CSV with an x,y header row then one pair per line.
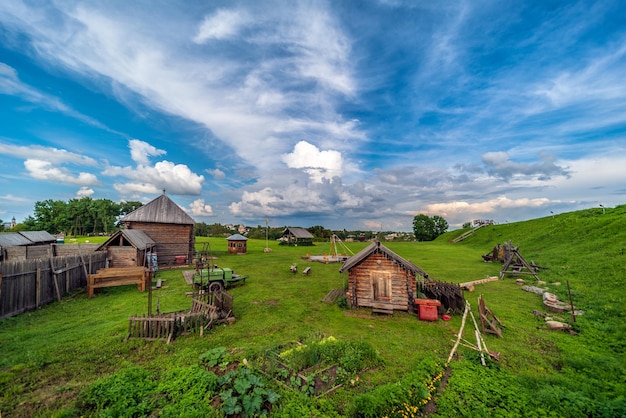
x,y
52,358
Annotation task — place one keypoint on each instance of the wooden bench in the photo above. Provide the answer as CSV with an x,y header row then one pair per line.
x,y
118,276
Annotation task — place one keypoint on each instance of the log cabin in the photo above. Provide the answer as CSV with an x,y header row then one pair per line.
x,y
169,226
380,279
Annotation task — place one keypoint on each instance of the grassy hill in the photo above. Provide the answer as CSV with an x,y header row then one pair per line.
x,y
71,358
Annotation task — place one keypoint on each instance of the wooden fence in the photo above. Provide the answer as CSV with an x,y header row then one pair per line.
x,y
26,285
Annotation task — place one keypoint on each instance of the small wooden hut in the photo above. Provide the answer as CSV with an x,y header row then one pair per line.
x,y
380,279
296,236
25,245
169,226
128,248
237,244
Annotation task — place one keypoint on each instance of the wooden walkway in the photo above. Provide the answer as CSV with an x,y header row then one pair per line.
x,y
467,234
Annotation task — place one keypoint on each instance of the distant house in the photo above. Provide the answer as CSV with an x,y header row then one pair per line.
x,y
380,279
168,225
25,245
296,236
128,248
237,244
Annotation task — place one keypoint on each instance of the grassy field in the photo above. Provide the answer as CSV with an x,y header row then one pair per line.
x,y
71,358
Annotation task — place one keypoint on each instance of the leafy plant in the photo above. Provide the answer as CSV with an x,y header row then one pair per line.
x,y
244,392
216,356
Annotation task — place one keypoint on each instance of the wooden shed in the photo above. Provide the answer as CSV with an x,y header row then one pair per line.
x,y
237,244
169,226
296,236
128,248
380,279
25,245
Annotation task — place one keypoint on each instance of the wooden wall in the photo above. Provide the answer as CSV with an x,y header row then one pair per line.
x,y
124,256
171,239
361,284
26,285
237,247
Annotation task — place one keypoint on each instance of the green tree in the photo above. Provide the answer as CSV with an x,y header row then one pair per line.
x,y
428,228
441,225
1,225
320,232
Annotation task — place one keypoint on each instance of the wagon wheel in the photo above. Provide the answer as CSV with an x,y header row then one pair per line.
x,y
216,287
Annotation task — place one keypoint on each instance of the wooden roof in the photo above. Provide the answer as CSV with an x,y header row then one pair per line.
x,y
136,237
237,237
377,247
14,239
297,232
160,210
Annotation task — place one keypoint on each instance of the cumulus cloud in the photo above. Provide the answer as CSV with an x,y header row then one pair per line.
x,y
84,192
44,170
498,164
318,164
140,151
146,178
199,208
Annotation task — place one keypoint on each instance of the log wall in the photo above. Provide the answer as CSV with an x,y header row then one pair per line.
x,y
361,285
171,239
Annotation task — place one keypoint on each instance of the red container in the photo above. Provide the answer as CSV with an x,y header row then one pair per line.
x,y
428,313
180,259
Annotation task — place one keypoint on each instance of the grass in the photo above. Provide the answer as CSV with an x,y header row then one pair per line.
x,y
53,357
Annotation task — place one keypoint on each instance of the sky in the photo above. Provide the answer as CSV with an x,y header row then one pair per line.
x,y
354,115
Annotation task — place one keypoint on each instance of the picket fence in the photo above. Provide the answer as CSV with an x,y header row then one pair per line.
x,y
26,285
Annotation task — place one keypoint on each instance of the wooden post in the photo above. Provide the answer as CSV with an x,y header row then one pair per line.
x,y
83,263
67,277
458,339
37,286
54,276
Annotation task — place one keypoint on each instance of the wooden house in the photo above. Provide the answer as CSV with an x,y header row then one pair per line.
x,y
25,245
296,236
169,226
128,248
380,279
237,244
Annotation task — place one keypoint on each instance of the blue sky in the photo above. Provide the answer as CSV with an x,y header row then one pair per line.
x,y
350,114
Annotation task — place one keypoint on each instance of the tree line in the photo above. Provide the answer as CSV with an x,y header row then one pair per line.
x,y
84,216
87,216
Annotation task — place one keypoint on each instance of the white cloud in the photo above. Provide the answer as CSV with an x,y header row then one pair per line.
x,y
84,192
199,208
140,151
52,155
221,25
44,170
217,174
318,164
146,178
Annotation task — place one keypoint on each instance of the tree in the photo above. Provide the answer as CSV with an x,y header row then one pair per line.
x,y
441,225
428,228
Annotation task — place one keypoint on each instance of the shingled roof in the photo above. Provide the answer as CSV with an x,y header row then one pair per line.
x,y
160,210
377,247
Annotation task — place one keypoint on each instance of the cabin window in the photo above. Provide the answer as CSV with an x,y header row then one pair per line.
x,y
381,286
